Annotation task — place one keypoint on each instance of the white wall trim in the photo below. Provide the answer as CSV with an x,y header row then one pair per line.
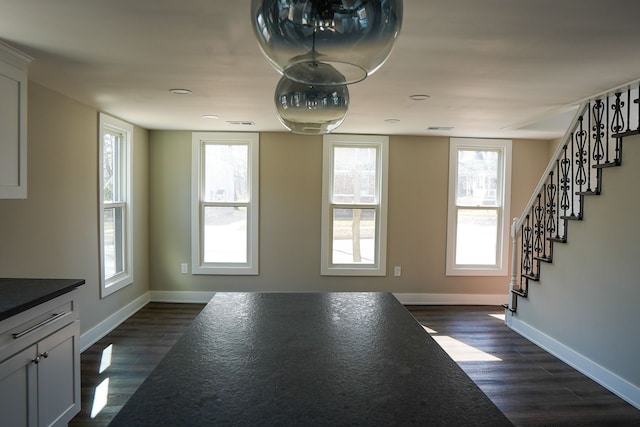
x,y
90,337
181,296
451,299
617,385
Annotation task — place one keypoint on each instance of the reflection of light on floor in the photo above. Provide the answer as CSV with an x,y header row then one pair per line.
x,y
105,360
459,351
498,316
101,394
431,331
100,397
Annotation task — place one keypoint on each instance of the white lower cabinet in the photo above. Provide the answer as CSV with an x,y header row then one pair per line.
x,y
18,382
40,383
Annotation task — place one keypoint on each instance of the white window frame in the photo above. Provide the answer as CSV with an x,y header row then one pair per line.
x,y
108,124
198,141
379,267
504,175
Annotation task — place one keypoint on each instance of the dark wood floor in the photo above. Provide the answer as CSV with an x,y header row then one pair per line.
x,y
137,345
530,386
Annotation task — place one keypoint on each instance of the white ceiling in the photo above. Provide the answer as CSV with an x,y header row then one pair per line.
x,y
492,68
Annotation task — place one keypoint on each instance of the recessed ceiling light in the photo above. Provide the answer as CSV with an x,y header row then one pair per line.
x,y
419,97
210,116
392,120
179,91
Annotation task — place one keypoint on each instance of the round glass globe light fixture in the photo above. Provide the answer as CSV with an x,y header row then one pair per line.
x,y
354,37
311,110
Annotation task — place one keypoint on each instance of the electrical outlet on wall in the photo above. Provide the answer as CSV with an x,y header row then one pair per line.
x,y
397,271
184,268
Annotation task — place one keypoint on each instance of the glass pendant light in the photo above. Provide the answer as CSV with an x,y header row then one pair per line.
x,y
311,110
354,37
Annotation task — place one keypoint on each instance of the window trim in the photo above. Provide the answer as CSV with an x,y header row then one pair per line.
x,y
111,124
378,268
198,140
502,245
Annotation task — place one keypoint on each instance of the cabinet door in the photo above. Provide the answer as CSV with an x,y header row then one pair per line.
x,y
18,384
13,142
59,377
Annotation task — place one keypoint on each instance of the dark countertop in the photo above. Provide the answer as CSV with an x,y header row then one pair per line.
x,y
307,359
18,295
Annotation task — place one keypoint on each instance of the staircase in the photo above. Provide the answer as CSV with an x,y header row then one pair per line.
x,y
592,144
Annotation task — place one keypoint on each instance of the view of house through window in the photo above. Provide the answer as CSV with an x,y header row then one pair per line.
x,y
114,203
354,184
225,203
225,198
115,191
354,208
478,211
477,203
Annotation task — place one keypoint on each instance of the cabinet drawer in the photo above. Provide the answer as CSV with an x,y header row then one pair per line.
x,y
36,323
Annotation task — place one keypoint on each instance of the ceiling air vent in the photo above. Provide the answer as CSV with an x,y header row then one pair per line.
x,y
440,128
240,122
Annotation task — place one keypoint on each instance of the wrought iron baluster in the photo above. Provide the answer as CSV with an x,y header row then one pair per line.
x,y
580,155
598,131
565,188
558,163
572,181
588,144
527,252
551,207
617,123
628,108
539,225
607,130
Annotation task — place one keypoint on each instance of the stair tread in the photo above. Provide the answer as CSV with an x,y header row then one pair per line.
x,y
521,292
506,307
572,217
588,193
626,133
612,164
557,239
543,258
532,277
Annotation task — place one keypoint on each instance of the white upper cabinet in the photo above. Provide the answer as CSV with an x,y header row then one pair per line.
x,y
13,122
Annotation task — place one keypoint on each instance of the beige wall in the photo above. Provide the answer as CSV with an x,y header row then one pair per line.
x,y
54,232
290,209
587,299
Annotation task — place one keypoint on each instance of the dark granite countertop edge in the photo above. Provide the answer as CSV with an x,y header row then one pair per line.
x,y
71,285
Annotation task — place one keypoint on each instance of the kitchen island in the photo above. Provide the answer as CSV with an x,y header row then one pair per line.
x,y
307,359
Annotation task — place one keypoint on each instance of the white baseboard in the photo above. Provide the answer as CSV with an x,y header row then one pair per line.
x,y
404,298
181,296
91,336
94,334
599,374
451,299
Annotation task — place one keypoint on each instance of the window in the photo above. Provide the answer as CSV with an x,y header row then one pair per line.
x,y
354,208
115,148
478,223
224,222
